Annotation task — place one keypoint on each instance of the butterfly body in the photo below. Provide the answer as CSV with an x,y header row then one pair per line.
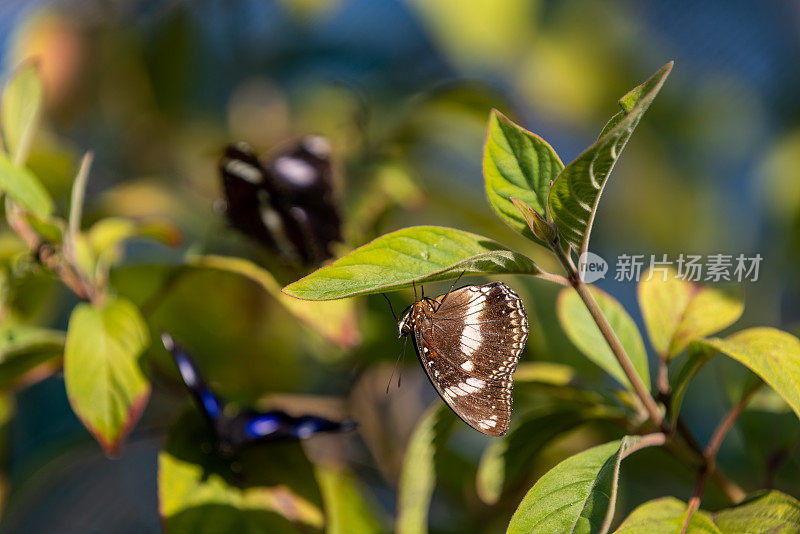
x,y
469,342
249,426
287,202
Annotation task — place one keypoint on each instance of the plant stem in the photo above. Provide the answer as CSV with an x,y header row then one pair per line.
x,y
612,340
709,468
47,255
725,425
687,450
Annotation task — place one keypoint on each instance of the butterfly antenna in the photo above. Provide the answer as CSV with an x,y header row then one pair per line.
x,y
398,368
450,290
390,307
414,286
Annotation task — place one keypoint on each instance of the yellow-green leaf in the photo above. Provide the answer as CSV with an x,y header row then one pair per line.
x,y
772,354
346,509
769,511
24,188
576,191
265,489
584,333
105,384
334,320
21,110
418,477
411,255
677,311
665,516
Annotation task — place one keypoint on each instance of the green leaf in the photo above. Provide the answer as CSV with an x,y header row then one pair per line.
x,y
23,348
697,357
575,193
677,311
23,187
577,322
517,164
346,511
550,373
20,111
665,516
107,236
770,511
418,477
336,321
105,384
411,255
579,494
509,459
772,354
265,489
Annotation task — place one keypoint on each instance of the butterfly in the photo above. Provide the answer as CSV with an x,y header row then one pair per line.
x,y
469,342
249,426
286,202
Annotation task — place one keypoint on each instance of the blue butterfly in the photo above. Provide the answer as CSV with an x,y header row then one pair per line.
x,y
249,426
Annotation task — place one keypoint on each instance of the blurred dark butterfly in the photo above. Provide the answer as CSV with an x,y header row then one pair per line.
x,y
287,202
469,341
249,426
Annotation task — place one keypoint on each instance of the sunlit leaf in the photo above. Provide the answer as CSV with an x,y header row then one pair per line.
x,y
20,111
677,311
551,373
23,348
107,236
418,477
23,187
346,509
334,320
105,384
266,489
575,193
509,459
517,164
770,511
585,334
411,255
772,354
579,494
665,516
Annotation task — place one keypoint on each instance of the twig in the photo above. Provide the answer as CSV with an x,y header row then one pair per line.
x,y
710,453
46,254
694,502
725,425
611,338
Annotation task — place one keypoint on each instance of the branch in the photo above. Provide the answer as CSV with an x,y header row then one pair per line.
x,y
46,254
612,340
725,425
710,454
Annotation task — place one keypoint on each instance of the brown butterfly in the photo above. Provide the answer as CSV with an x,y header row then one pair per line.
x,y
469,342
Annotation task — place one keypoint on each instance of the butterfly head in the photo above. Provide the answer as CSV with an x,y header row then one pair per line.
x,y
404,325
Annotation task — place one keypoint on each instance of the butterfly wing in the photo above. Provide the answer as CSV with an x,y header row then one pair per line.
x,y
243,180
250,427
304,174
288,203
209,404
469,344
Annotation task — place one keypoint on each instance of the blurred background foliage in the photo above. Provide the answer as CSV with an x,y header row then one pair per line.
x,y
403,90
